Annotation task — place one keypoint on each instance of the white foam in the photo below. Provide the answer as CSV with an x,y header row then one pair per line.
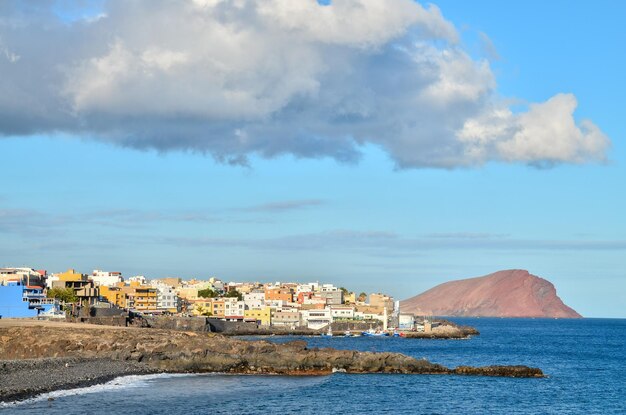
x,y
123,382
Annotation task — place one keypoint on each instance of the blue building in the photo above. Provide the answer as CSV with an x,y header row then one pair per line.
x,y
19,300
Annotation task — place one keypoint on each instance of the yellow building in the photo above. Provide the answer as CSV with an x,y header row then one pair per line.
x,y
114,295
142,298
349,298
202,307
187,293
263,316
71,275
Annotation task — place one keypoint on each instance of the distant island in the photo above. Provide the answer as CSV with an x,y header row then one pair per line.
x,y
508,293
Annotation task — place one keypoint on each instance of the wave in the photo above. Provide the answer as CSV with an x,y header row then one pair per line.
x,y
122,382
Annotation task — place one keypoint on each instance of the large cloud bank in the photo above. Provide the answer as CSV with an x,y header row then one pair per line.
x,y
233,78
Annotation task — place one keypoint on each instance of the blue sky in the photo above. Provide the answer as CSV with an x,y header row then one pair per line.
x,y
141,190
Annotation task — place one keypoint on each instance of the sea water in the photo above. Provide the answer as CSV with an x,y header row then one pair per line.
x,y
585,361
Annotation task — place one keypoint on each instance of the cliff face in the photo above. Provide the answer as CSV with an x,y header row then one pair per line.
x,y
510,293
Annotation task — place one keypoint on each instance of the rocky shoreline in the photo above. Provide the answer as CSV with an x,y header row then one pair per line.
x,y
98,354
23,379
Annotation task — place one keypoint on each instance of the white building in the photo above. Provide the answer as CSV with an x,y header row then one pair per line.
x,y
254,300
138,278
106,278
276,304
369,316
328,288
290,318
406,321
341,312
233,308
167,300
317,318
314,300
26,275
50,280
310,287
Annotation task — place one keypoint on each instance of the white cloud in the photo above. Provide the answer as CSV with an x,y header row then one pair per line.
x,y
233,78
547,133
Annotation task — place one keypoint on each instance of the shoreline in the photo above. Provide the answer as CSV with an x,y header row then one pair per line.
x,y
29,378
23,379
40,357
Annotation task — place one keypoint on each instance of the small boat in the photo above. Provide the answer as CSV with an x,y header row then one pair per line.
x,y
374,333
347,333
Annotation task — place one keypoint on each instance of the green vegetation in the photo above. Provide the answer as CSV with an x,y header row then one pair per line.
x,y
66,295
362,297
234,293
207,293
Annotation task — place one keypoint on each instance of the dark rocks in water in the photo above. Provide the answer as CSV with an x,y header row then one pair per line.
x,y
501,371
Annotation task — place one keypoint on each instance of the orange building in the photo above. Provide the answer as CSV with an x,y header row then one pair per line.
x,y
283,294
304,295
218,308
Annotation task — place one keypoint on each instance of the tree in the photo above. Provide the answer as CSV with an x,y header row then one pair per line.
x,y
66,295
362,297
234,293
345,290
207,293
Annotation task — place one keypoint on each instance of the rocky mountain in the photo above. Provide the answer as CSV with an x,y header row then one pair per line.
x,y
509,293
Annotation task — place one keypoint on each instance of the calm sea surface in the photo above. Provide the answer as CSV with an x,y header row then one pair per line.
x,y
585,361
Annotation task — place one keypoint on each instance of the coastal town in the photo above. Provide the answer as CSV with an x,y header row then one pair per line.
x,y
27,292
139,326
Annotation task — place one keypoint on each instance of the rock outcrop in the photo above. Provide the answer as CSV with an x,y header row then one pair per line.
x,y
510,293
176,351
152,350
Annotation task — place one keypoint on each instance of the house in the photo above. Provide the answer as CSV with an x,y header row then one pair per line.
x,y
316,318
406,321
283,294
218,307
86,291
27,276
254,300
138,279
106,278
171,282
18,300
382,301
114,295
262,316
286,318
167,300
341,312
309,287
140,297
233,309
332,297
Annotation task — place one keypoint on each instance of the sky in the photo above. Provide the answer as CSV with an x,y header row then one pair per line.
x,y
382,146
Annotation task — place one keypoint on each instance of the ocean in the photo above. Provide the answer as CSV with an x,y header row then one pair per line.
x,y
585,361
